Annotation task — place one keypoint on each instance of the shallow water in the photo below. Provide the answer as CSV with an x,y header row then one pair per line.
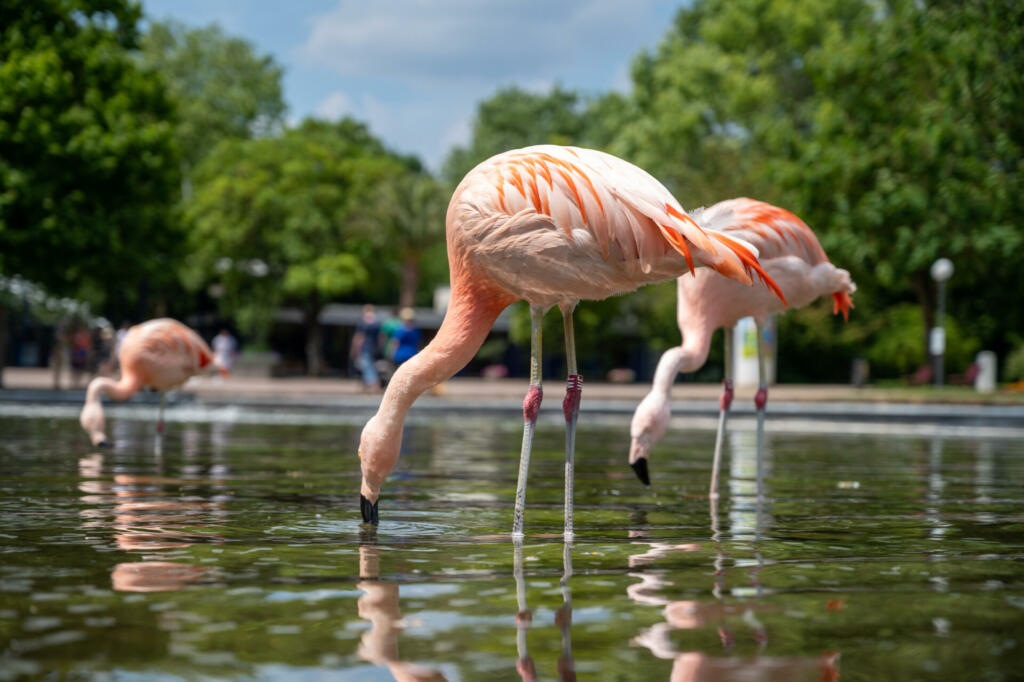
x,y
233,549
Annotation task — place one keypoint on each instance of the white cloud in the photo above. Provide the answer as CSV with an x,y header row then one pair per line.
x,y
416,69
335,105
422,42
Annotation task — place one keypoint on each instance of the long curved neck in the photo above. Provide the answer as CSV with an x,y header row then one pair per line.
x,y
465,327
116,390
688,357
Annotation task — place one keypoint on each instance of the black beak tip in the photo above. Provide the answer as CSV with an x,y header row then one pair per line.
x,y
368,510
104,444
640,467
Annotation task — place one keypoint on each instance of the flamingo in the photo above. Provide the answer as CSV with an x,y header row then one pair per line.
x,y
161,354
792,256
551,225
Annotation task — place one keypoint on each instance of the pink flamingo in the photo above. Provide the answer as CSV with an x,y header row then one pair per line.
x,y
792,256
161,354
551,225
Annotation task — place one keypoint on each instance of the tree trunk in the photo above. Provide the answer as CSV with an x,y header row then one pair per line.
x,y
410,280
314,338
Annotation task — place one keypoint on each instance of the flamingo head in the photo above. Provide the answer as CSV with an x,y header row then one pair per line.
x,y
378,453
94,423
650,421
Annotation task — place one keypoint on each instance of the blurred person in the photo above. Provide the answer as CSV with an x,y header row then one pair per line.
x,y
365,343
225,349
106,356
81,353
407,338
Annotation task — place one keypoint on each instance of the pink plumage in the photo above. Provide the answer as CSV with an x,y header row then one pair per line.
x,y
790,254
161,354
550,225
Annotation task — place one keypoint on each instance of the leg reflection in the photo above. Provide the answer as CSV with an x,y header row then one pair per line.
x,y
379,605
525,665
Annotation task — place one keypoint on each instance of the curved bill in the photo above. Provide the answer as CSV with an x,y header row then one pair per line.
x,y
368,510
640,467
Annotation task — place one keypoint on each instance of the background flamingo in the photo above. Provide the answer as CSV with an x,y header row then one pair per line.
x,y
161,354
551,225
792,256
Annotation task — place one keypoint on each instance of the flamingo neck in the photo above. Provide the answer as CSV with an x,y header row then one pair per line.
x,y
116,390
688,357
470,315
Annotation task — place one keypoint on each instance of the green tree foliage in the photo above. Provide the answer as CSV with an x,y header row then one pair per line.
x,y
88,163
276,220
914,153
893,130
222,88
405,215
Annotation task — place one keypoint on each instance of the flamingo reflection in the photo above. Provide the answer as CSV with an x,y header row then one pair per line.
x,y
146,519
692,614
379,605
525,665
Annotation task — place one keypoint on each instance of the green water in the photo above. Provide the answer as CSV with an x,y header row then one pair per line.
x,y
234,550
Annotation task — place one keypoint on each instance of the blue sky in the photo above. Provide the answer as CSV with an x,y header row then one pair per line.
x,y
415,69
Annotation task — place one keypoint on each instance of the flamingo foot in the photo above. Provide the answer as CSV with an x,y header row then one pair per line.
x,y
369,511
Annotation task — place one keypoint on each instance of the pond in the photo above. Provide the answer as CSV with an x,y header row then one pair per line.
x,y
231,548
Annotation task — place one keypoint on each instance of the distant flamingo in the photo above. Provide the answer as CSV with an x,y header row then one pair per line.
x,y
551,225
161,354
792,256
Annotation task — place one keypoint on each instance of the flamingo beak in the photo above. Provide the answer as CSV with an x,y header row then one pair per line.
x,y
640,467
104,444
368,510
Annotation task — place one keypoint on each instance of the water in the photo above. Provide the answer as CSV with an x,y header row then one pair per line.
x,y
233,549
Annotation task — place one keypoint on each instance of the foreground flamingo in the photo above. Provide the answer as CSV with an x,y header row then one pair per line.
x,y
551,225
792,256
161,354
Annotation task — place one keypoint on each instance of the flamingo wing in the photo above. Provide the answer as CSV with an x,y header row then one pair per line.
x,y
774,231
617,203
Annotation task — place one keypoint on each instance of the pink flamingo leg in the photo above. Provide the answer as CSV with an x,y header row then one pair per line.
x,y
571,410
160,417
531,406
723,414
760,400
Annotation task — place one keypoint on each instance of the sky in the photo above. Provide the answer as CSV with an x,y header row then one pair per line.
x,y
414,70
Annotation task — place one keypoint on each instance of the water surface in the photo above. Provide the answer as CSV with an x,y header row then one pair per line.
x,y
232,549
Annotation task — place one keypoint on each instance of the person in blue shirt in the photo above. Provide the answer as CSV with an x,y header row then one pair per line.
x,y
365,344
406,338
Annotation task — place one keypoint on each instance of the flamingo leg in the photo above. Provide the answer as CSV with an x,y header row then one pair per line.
x,y
723,413
759,402
160,417
571,408
531,406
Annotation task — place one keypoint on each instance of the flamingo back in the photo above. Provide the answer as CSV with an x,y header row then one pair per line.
x,y
774,231
164,353
584,194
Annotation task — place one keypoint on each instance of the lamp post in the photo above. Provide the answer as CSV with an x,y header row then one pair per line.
x,y
941,270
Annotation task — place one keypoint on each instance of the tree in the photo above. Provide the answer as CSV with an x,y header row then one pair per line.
x,y
914,153
222,88
513,118
410,207
275,220
88,163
